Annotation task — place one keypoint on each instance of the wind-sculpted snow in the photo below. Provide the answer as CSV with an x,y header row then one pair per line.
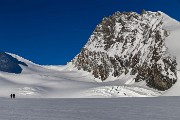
x,y
131,43
122,91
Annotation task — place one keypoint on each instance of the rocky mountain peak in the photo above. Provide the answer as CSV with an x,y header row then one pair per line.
x,y
130,43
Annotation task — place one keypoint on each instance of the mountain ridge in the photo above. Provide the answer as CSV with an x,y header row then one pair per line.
x,y
131,42
142,63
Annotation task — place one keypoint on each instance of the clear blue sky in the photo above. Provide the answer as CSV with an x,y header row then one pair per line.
x,y
54,31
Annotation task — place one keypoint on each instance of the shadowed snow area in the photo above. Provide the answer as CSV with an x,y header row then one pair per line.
x,y
159,108
10,64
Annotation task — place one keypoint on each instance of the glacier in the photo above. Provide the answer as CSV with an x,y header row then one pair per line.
x,y
39,81
67,81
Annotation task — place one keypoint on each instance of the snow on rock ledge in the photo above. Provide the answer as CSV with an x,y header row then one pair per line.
x,y
132,43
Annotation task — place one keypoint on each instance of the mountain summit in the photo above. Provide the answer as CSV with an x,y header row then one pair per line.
x,y
135,55
132,44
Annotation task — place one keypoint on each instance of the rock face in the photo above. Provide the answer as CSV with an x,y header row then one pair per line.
x,y
10,64
130,43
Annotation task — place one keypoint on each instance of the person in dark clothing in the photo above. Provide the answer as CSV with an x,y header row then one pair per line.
x,y
11,96
14,96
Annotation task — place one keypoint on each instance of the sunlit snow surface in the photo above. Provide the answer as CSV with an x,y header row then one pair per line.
x,y
158,108
37,81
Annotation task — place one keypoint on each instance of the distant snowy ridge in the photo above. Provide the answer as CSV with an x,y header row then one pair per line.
x,y
10,64
21,58
141,45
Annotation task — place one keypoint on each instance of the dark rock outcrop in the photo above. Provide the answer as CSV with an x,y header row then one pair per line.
x,y
130,43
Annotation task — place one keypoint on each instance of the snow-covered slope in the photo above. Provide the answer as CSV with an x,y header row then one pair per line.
x,y
131,53
144,46
10,64
62,82
173,40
